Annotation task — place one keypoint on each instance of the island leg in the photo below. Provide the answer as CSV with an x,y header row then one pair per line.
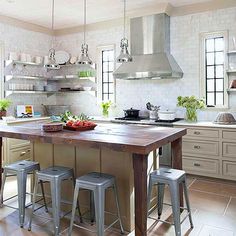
x,y
176,147
140,191
1,160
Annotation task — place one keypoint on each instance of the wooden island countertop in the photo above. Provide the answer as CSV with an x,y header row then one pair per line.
x,y
139,140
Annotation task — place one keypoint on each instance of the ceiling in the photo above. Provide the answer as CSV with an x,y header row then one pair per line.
x,y
69,13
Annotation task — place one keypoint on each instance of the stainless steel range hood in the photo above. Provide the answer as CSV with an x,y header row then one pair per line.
x,y
150,49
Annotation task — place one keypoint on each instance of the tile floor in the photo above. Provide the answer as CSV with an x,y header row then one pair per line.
x,y
213,204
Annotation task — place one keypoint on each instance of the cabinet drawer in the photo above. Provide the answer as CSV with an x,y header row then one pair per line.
x,y
231,135
18,154
229,149
17,143
201,165
203,133
201,147
229,168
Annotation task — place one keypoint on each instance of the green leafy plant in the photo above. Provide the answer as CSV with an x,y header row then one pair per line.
x,y
69,116
192,104
105,108
4,104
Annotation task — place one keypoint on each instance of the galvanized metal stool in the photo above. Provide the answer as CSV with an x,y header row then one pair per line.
x,y
20,169
54,175
173,178
97,183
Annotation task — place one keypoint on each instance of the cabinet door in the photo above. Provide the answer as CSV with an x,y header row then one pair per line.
x,y
17,143
18,154
229,149
200,165
229,169
201,147
202,133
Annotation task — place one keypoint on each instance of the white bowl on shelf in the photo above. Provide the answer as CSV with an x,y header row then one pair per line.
x,y
87,88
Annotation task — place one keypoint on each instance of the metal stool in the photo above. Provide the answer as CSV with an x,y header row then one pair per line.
x,y
173,178
54,175
97,183
20,169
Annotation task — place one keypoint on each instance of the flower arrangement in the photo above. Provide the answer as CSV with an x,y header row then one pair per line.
x,y
105,108
192,104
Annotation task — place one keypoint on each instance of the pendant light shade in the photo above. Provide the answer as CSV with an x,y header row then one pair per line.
x,y
124,44
84,57
52,64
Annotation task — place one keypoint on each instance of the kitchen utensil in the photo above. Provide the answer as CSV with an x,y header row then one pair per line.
x,y
13,56
87,88
233,84
55,110
151,107
225,118
134,113
62,57
52,127
73,60
166,115
38,60
23,57
153,115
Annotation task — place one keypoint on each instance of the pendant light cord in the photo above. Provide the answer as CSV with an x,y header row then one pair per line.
x,y
53,6
124,17
85,17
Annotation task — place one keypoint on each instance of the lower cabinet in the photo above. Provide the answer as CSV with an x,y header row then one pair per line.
x,y
210,151
201,165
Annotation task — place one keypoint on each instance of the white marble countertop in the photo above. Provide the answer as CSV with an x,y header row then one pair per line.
x,y
21,120
203,124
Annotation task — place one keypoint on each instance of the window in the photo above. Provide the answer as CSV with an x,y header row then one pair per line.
x,y
214,79
106,63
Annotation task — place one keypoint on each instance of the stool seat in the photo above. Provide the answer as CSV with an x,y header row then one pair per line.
x,y
26,166
168,174
55,172
96,179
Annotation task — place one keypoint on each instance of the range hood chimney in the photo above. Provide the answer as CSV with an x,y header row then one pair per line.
x,y
150,49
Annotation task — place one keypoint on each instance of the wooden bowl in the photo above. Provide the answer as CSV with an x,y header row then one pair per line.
x,y
225,118
52,127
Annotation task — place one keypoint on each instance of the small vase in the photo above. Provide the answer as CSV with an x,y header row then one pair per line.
x,y
191,115
105,113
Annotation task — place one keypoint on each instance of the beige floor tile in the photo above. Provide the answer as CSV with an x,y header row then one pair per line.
x,y
214,187
208,202
213,231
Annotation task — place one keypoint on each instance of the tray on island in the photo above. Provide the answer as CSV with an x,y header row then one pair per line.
x,y
80,128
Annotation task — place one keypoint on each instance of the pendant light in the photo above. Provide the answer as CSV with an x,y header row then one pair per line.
x,y
52,64
124,53
84,57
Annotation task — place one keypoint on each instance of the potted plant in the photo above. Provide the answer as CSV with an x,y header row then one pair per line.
x,y
192,104
4,104
105,108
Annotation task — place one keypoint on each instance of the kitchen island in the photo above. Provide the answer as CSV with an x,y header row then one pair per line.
x,y
131,143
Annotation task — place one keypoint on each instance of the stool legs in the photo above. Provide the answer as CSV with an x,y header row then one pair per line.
x,y
175,201
33,202
187,202
43,194
118,207
99,200
149,195
56,205
2,188
21,182
161,191
75,199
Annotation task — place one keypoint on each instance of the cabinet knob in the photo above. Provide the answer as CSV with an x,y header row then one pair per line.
x,y
22,154
196,164
196,147
197,132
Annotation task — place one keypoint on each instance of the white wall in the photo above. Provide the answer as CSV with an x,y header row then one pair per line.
x,y
185,46
185,33
37,44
